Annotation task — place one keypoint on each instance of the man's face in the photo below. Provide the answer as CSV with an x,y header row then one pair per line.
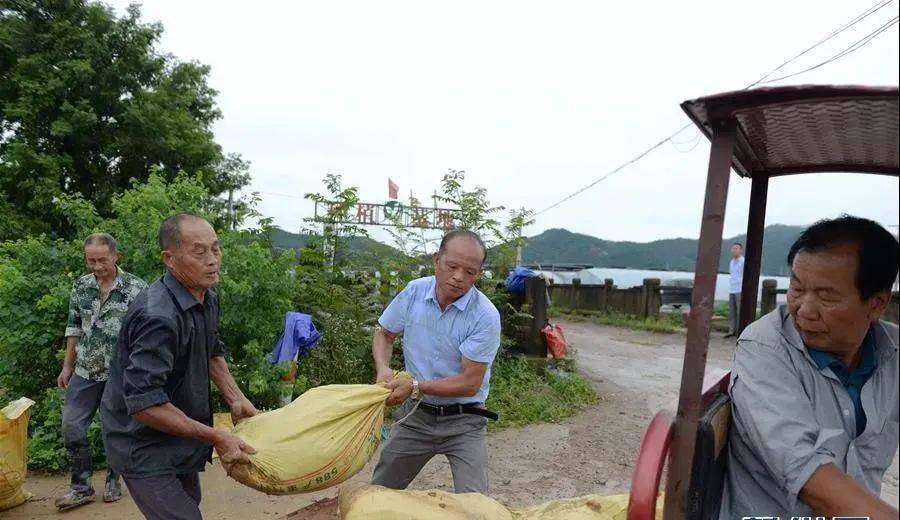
x,y
101,261
736,251
197,259
825,302
457,269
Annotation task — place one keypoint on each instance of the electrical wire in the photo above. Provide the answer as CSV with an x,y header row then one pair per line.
x,y
860,17
668,139
852,48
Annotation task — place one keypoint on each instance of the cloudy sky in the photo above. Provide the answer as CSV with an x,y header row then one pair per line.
x,y
532,99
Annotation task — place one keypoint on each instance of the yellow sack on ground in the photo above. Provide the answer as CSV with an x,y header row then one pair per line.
x,y
321,439
13,442
379,503
590,507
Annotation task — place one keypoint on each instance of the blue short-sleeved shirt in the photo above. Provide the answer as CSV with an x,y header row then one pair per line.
x,y
435,342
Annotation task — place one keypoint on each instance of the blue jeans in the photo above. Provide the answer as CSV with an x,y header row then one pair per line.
x,y
81,403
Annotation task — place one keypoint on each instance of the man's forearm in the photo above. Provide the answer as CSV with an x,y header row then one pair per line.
x,y
169,419
462,385
831,492
71,346
382,349
221,376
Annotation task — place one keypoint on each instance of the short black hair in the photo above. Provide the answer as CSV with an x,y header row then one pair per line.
x,y
738,244
460,233
104,239
877,249
170,229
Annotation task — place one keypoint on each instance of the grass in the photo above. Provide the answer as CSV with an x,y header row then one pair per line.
x,y
522,394
665,323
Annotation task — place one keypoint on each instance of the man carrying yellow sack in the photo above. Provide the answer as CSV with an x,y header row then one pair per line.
x,y
451,333
156,408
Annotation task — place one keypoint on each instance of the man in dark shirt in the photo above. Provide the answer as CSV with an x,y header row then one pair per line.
x,y
156,408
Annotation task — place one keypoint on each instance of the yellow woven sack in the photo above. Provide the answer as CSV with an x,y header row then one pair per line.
x,y
13,442
379,503
589,507
324,437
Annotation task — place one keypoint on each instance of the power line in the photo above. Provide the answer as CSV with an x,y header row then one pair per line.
x,y
865,14
860,17
858,44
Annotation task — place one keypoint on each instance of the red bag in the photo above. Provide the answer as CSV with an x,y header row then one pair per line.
x,y
556,341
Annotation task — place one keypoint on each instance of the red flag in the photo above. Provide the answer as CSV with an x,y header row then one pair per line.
x,y
393,189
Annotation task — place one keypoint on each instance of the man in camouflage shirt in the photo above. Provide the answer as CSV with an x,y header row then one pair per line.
x,y
97,307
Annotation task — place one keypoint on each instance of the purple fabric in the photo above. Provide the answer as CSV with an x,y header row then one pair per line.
x,y
299,336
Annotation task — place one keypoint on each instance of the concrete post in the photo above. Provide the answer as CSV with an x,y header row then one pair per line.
x,y
607,294
576,293
651,300
536,291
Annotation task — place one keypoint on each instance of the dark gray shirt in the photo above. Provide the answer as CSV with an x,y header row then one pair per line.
x,y
162,356
791,415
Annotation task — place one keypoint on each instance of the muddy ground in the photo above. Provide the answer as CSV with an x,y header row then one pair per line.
x,y
635,373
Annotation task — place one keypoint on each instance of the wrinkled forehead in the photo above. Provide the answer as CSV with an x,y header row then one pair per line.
x,y
464,250
197,233
833,266
97,250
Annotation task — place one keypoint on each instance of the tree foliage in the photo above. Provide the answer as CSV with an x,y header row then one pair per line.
x,y
88,103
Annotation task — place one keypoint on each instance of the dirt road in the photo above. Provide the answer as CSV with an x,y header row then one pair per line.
x,y
635,373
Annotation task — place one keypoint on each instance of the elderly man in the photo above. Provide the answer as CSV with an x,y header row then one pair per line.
x,y
451,333
156,410
97,307
814,386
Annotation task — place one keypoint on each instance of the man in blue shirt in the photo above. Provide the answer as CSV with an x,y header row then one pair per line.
x,y
451,333
735,284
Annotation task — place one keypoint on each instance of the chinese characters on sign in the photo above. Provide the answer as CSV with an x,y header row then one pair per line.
x,y
391,214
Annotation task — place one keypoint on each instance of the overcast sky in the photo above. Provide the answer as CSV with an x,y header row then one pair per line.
x,y
532,99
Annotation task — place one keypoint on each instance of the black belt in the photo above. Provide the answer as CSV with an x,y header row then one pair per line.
x,y
457,409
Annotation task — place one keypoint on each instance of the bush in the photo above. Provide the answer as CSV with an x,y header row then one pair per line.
x,y
36,276
45,446
522,394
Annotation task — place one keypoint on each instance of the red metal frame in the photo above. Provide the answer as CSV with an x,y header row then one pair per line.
x,y
651,459
649,467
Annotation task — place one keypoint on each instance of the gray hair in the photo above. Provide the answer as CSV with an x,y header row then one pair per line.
x,y
170,230
103,239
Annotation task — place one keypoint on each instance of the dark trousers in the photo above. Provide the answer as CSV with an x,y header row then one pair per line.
x,y
167,497
81,403
734,313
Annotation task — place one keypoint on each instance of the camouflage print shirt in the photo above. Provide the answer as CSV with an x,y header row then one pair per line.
x,y
97,325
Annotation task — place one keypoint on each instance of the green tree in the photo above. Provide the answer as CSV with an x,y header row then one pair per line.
x,y
88,103
334,208
475,210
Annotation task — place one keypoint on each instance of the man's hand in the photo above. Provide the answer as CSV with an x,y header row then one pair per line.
x,y
232,450
384,375
65,375
401,389
242,409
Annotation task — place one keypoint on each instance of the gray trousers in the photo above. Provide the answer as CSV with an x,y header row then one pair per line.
x,y
461,438
81,403
167,497
734,312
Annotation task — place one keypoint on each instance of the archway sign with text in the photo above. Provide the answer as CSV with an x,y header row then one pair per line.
x,y
390,214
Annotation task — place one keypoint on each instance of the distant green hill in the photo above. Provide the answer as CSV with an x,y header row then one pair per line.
x,y
678,254
363,250
563,246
